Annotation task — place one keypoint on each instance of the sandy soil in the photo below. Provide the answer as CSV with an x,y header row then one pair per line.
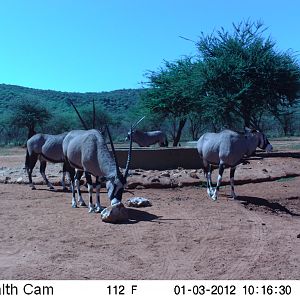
x,y
183,235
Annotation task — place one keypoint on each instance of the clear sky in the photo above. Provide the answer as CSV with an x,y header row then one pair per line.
x,y
103,45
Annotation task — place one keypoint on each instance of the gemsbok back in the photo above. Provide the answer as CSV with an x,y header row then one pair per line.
x,y
87,152
227,149
46,148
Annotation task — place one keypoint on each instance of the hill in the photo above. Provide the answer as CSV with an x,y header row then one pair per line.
x,y
115,102
114,105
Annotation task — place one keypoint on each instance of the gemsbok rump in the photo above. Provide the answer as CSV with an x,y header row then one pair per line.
x,y
227,149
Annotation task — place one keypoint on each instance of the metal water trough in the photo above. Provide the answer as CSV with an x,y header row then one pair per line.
x,y
161,158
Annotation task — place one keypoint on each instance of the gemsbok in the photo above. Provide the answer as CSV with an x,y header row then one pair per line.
x,y
147,138
227,149
87,152
46,148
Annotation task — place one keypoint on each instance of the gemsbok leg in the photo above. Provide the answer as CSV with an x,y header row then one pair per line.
x,y
216,191
63,179
98,207
232,170
30,164
207,173
78,175
43,165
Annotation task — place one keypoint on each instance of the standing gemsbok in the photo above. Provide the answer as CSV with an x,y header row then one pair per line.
x,y
87,151
227,149
46,148
147,138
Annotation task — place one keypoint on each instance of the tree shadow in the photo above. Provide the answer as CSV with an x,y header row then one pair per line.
x,y
275,207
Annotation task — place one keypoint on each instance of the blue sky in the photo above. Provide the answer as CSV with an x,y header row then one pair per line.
x,y
97,45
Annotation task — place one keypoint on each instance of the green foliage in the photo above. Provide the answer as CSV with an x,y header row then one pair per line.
x,y
173,93
238,79
170,89
244,76
28,114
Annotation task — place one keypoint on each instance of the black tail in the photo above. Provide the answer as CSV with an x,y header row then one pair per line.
x,y
27,162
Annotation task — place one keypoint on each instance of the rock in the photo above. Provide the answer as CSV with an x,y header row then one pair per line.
x,y
177,175
165,174
138,202
114,213
155,180
298,236
140,187
135,173
20,180
194,175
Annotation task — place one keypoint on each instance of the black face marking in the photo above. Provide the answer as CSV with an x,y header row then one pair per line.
x,y
118,194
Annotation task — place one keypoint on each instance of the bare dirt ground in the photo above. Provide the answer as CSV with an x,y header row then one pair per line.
x,y
183,235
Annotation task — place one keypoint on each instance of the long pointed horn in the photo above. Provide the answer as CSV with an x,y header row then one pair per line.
x,y
79,116
94,114
113,151
129,155
138,122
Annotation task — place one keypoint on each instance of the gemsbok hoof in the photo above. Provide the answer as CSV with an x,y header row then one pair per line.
x,y
210,192
98,209
82,204
214,197
91,209
233,197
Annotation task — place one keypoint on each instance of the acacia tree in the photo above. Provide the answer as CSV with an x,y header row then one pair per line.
x,y
29,114
171,93
244,76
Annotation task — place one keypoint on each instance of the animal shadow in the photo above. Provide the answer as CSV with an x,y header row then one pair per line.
x,y
135,216
275,207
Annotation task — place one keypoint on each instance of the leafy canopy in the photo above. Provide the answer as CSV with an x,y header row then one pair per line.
x,y
244,76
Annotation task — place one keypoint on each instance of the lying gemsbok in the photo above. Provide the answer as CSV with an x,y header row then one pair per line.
x,y
45,147
227,149
86,151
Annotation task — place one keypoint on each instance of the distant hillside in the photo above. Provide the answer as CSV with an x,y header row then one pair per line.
x,y
115,102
